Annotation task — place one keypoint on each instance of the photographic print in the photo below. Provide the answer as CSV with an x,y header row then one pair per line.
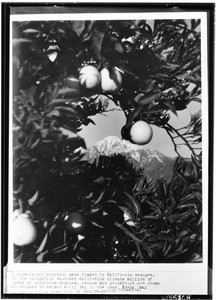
x,y
108,124
120,199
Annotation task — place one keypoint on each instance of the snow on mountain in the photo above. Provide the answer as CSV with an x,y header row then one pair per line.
x,y
114,145
155,164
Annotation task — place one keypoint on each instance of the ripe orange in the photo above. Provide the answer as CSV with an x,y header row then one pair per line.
x,y
24,230
111,84
89,77
141,133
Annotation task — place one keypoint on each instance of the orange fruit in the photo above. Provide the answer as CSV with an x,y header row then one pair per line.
x,y
141,133
111,84
24,230
89,77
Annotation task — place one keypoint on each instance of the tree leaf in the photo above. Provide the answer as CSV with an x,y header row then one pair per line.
x,y
33,198
53,113
134,204
188,65
73,82
167,249
96,224
69,92
193,24
61,248
177,254
31,30
196,99
171,106
88,29
182,178
16,42
99,198
186,205
150,218
196,70
70,134
97,39
55,102
125,69
155,207
42,245
17,255
65,109
148,85
35,143
40,257
78,26
60,101
55,90
99,180
129,218
148,99
139,97
132,116
87,121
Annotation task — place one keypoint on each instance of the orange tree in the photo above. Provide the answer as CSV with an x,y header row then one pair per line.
x,y
105,211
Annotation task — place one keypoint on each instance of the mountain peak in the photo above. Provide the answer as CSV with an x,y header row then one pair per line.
x,y
146,159
109,146
112,145
113,141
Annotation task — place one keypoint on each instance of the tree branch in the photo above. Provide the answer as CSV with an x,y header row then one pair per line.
x,y
172,139
182,137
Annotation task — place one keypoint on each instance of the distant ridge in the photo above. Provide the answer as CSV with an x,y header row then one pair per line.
x,y
155,164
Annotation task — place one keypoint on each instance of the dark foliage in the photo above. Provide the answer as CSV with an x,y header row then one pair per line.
x,y
126,217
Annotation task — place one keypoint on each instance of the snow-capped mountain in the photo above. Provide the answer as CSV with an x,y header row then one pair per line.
x,y
154,164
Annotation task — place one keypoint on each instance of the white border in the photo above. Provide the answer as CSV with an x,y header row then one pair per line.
x,y
186,269
106,16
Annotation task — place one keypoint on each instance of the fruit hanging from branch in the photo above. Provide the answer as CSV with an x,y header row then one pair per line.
x,y
139,133
24,230
111,82
89,77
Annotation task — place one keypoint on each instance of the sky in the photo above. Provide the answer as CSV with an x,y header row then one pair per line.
x,y
110,124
